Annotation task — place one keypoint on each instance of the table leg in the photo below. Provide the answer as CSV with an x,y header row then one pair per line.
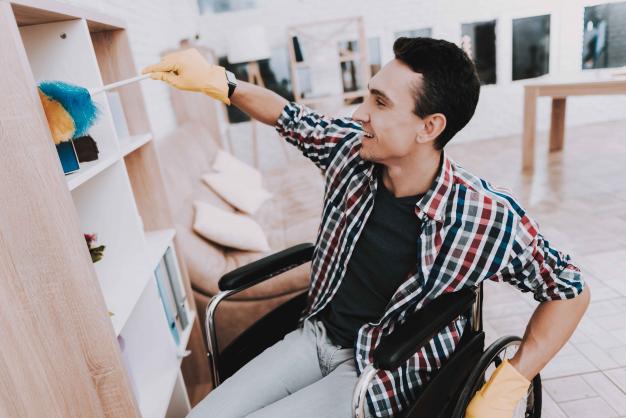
x,y
528,133
557,124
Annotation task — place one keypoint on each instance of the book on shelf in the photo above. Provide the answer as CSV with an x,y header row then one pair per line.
x,y
177,287
168,301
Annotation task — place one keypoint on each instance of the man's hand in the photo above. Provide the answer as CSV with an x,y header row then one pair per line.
x,y
500,395
188,70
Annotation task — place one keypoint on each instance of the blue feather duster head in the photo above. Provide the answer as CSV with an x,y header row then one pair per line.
x,y
76,100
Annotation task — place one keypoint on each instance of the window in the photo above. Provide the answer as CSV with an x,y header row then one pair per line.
x,y
604,36
351,73
219,6
478,40
414,33
531,47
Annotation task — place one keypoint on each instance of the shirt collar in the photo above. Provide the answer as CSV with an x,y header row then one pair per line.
x,y
433,203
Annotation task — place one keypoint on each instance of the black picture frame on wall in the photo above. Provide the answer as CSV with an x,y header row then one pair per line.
x,y
531,47
478,40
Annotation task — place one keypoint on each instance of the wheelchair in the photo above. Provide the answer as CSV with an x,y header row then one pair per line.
x,y
445,395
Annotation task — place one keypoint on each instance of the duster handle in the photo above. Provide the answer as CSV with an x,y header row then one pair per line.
x,y
118,84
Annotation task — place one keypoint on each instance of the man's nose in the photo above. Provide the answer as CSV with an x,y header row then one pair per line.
x,y
361,114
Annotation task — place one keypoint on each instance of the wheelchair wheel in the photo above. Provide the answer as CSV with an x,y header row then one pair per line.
x,y
503,348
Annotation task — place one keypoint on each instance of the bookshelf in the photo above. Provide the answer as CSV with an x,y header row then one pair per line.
x,y
58,332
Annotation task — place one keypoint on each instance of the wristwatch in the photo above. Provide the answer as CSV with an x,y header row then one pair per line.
x,y
232,82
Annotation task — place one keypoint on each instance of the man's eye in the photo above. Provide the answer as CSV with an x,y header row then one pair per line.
x,y
379,102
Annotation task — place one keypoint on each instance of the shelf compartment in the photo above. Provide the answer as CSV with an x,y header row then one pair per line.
x,y
106,207
64,51
152,354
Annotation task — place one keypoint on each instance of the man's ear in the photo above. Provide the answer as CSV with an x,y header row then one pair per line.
x,y
433,126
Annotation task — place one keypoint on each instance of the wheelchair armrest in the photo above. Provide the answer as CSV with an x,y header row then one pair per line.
x,y
266,267
396,348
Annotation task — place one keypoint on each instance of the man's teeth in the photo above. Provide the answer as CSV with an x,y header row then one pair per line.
x,y
369,135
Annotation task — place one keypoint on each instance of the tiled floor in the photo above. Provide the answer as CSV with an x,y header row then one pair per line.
x,y
578,196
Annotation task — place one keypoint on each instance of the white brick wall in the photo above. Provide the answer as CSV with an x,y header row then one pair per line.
x,y
153,26
499,111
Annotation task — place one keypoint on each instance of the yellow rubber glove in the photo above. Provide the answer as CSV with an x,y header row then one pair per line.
x,y
188,70
500,395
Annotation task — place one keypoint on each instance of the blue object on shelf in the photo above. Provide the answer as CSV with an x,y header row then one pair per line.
x,y
68,157
171,319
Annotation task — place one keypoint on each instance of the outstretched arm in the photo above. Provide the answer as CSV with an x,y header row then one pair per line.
x,y
189,70
260,103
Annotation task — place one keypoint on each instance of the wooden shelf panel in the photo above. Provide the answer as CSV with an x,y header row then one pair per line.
x,y
35,12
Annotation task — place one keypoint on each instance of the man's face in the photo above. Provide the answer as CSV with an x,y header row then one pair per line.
x,y
387,114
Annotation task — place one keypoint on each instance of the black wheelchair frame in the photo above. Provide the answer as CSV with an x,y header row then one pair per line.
x,y
448,392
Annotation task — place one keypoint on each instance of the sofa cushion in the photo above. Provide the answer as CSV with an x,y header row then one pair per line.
x,y
226,162
237,190
290,217
233,230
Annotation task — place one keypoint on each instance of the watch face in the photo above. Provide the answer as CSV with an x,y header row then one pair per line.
x,y
232,82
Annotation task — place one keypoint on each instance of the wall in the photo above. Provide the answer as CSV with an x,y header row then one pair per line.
x,y
153,26
499,112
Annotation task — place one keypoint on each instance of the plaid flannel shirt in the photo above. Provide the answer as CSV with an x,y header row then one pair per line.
x,y
471,231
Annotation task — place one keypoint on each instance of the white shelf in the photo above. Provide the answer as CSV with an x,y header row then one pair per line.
x,y
131,143
88,170
92,168
157,242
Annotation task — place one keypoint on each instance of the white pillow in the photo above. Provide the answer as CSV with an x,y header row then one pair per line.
x,y
226,163
237,190
229,229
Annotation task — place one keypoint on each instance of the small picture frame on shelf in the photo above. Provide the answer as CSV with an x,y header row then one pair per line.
x,y
68,157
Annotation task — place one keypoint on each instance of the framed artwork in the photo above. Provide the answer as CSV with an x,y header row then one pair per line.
x,y
478,40
531,47
604,37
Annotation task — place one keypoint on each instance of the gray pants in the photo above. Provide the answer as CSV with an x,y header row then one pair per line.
x,y
303,375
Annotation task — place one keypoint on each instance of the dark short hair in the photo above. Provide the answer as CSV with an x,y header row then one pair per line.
x,y
450,82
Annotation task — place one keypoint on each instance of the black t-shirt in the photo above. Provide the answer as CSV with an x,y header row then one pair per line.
x,y
385,253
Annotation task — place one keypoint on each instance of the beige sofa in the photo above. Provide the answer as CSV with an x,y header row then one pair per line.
x,y
291,217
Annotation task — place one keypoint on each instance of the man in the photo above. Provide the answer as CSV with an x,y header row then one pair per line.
x,y
402,224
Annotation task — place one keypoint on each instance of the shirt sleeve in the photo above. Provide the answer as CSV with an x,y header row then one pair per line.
x,y
315,135
536,267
